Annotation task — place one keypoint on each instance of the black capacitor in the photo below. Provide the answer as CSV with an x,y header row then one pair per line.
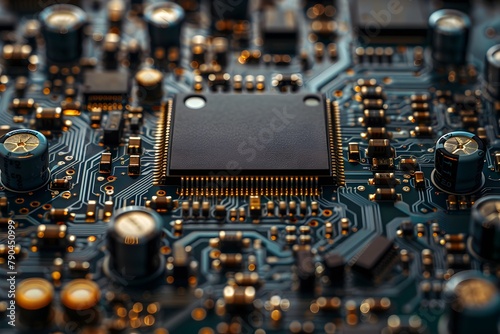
x,y
111,47
24,160
80,300
62,29
335,268
116,13
164,21
134,53
306,270
31,32
134,240
449,37
220,46
34,299
473,304
458,163
113,128
492,71
485,227
149,85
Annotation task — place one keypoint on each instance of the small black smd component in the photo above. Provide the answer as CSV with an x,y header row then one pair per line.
x,y
113,128
280,32
334,268
240,142
381,21
305,270
374,260
7,22
106,90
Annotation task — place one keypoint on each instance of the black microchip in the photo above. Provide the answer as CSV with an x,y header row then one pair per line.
x,y
238,135
393,22
280,31
105,87
375,258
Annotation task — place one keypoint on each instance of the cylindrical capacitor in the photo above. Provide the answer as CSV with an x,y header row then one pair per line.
x,y
492,71
449,33
62,28
116,12
164,21
458,163
485,227
111,47
24,160
134,53
473,304
80,299
34,302
150,85
220,50
134,238
31,32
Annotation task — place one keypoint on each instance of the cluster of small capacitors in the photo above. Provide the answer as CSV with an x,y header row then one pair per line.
x,y
459,156
63,26
37,307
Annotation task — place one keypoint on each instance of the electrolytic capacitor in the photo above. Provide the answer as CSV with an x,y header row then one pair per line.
x,y
80,299
492,71
24,160
134,238
473,304
34,298
164,21
150,85
111,47
458,163
62,29
31,32
134,53
485,227
449,33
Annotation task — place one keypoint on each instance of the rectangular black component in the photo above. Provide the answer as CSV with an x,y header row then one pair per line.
x,y
101,88
280,32
113,128
238,135
105,163
374,259
392,22
7,22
